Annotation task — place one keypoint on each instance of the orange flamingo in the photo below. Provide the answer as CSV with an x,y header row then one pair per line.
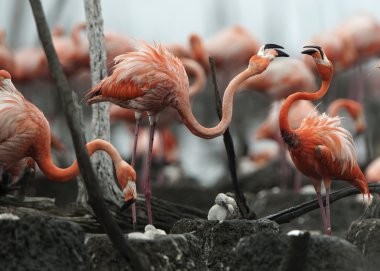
x,y
152,79
320,148
25,129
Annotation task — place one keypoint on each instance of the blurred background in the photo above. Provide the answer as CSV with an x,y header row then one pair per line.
x,y
290,23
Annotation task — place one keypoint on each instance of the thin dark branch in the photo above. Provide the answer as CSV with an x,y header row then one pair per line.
x,y
73,116
229,144
292,213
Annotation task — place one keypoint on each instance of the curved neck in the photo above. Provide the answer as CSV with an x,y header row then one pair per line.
x,y
193,125
55,173
283,118
337,105
195,69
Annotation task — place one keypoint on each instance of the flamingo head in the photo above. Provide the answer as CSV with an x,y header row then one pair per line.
x,y
266,54
324,65
126,177
4,75
198,51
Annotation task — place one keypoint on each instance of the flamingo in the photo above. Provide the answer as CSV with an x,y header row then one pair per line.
x,y
151,79
72,51
231,48
320,148
354,109
372,172
25,138
30,63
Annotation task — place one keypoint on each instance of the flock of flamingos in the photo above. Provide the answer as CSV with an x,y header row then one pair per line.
x,y
153,80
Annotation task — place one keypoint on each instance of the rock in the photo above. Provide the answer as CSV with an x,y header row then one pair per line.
x,y
220,238
343,212
41,243
365,235
166,252
264,251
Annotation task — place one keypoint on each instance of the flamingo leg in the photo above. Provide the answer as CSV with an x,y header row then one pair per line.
x,y
317,187
133,163
322,209
328,222
147,189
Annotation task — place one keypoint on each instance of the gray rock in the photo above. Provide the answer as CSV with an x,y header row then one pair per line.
x,y
167,252
365,235
306,252
41,243
220,238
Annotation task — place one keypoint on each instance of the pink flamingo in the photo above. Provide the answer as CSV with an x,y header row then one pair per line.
x,y
6,55
25,137
320,148
152,79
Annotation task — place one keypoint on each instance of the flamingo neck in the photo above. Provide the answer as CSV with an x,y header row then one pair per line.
x,y
55,173
285,128
196,70
197,129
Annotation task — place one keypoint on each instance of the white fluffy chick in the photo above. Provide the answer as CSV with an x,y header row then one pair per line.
x,y
224,208
149,234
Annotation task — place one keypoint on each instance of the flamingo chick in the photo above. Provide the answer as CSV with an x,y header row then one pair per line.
x,y
225,208
25,136
320,148
151,79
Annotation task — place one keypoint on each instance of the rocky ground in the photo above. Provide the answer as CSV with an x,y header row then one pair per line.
x,y
46,237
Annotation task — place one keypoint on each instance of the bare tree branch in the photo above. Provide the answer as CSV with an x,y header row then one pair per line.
x,y
229,144
73,115
100,111
292,213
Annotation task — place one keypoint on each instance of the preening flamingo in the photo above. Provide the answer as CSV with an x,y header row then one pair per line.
x,y
152,79
320,148
25,136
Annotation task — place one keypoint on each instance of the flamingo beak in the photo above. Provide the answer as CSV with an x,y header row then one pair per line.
x,y
130,194
313,48
276,47
127,204
308,52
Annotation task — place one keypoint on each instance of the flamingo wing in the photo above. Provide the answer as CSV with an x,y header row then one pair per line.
x,y
140,73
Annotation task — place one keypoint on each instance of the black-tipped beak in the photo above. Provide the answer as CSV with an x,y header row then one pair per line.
x,y
127,204
272,46
281,53
308,52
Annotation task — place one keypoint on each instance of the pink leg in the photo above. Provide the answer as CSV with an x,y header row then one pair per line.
x,y
328,221
133,163
147,189
322,209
